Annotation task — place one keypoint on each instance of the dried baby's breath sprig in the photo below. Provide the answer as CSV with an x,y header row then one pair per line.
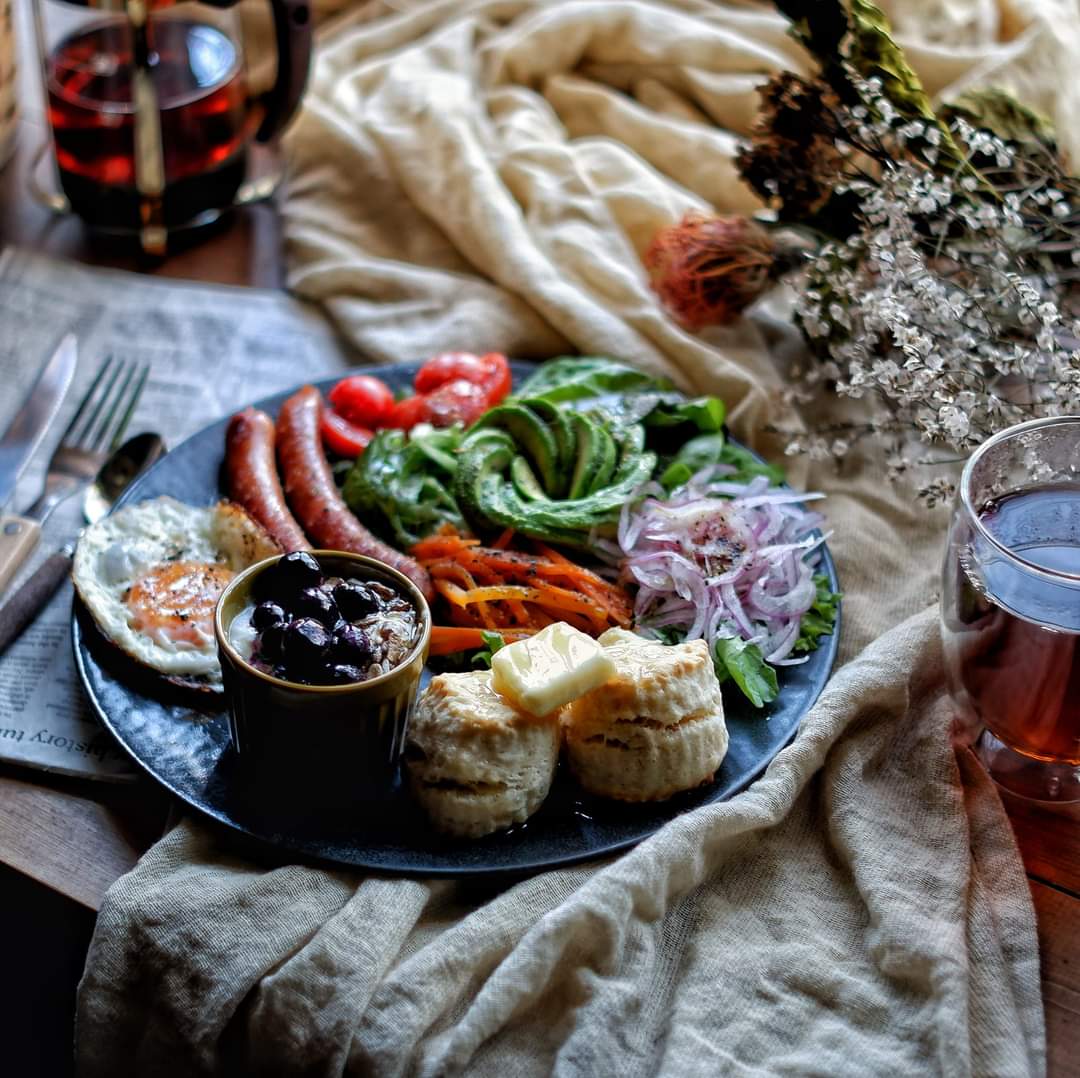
x,y
943,291
951,303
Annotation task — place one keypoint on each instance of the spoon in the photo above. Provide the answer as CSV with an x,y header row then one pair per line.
x,y
119,470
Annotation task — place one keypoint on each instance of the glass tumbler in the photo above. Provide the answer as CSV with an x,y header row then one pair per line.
x,y
1010,607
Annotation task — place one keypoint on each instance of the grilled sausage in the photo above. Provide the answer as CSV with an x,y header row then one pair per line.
x,y
313,495
253,480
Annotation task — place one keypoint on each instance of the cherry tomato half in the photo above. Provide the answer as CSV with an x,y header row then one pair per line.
x,y
405,414
498,384
455,387
490,371
456,402
449,367
342,437
362,399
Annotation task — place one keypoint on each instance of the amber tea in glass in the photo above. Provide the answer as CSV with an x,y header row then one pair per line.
x,y
1011,606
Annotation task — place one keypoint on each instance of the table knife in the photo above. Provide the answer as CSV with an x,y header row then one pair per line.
x,y
24,434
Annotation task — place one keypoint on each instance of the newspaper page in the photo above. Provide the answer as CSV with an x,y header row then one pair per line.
x,y
210,351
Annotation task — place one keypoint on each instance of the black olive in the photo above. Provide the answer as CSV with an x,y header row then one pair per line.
x,y
356,600
271,642
292,573
304,648
315,603
267,614
351,645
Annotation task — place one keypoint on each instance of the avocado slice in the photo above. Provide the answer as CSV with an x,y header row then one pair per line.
x,y
588,446
525,481
484,454
605,457
557,419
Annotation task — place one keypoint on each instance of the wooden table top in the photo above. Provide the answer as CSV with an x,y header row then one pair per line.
x,y
78,836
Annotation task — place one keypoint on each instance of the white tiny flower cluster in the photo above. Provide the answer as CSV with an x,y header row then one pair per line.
x,y
952,304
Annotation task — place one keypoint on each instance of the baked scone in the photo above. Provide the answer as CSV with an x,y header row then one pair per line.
x,y
475,763
655,728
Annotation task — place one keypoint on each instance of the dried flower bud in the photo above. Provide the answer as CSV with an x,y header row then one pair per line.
x,y
707,269
792,160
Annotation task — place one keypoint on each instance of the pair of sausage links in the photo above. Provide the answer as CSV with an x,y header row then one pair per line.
x,y
251,472
313,495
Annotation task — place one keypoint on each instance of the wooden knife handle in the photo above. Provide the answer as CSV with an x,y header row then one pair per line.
x,y
18,536
23,606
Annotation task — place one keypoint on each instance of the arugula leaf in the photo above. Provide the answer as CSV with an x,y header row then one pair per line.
x,y
744,663
820,619
492,643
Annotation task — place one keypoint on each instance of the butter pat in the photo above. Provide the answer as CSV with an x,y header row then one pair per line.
x,y
552,668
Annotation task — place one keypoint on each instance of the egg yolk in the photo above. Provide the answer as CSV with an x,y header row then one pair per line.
x,y
177,600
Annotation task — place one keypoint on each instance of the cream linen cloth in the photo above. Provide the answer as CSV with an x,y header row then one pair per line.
x,y
485,174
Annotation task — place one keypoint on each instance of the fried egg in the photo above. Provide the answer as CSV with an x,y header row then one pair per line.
x,y
150,575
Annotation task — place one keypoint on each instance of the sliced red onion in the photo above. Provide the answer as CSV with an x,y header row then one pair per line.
x,y
718,559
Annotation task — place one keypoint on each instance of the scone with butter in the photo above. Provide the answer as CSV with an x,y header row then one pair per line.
x,y
475,762
655,728
550,669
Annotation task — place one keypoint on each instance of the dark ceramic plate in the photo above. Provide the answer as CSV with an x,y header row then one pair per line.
x,y
185,745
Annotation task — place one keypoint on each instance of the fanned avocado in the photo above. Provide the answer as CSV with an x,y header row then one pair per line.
x,y
510,472
532,435
497,488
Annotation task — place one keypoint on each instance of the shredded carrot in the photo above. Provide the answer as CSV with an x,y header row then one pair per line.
x,y
516,591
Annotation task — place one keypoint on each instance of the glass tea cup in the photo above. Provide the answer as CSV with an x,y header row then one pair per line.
x,y
1010,607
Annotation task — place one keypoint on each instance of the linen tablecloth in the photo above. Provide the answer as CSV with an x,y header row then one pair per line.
x,y
485,174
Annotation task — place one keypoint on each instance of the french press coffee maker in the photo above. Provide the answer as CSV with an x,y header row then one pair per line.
x,y
150,110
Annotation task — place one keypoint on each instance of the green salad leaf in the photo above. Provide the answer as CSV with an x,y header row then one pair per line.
x,y
619,394
820,619
747,466
706,449
705,414
746,666
525,466
402,483
492,642
572,378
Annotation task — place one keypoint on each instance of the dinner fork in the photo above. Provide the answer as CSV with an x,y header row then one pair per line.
x,y
95,430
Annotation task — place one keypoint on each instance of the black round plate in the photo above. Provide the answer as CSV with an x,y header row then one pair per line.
x,y
183,742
